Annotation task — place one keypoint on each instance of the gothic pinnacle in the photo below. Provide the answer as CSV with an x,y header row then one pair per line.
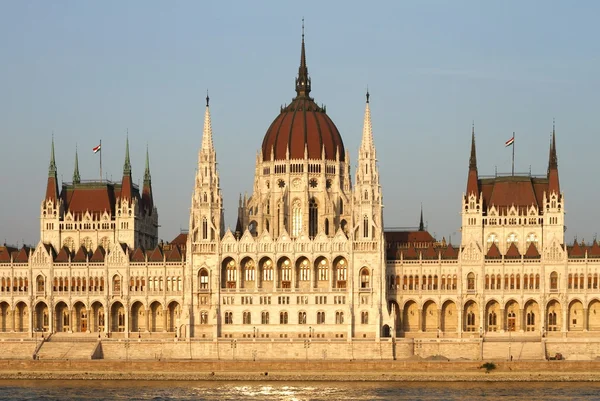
x,y
76,176
52,167
127,164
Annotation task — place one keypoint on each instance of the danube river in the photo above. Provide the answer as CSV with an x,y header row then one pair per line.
x,y
241,391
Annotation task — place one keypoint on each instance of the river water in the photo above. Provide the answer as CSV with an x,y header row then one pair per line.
x,y
241,391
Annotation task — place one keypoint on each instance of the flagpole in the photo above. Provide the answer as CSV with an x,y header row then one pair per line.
x,y
513,155
101,160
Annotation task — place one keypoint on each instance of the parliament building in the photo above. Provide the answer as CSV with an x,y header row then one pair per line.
x,y
309,261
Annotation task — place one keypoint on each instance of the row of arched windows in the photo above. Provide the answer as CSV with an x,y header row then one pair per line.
x,y
577,282
424,282
512,282
283,317
19,284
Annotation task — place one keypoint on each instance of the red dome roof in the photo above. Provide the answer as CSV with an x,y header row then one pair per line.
x,y
302,125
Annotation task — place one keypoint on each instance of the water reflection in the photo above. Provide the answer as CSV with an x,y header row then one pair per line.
x,y
292,391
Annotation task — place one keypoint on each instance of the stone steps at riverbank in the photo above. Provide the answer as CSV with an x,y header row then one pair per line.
x,y
17,349
66,350
519,350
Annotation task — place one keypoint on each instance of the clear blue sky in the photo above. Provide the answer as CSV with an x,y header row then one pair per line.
x,y
91,70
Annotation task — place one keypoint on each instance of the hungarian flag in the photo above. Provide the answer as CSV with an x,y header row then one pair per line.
x,y
510,141
97,149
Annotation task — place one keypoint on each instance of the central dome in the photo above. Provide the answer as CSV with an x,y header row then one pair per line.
x,y
302,126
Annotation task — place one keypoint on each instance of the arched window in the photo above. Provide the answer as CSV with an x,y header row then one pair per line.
x,y
204,317
341,275
231,274
492,239
204,227
249,270
471,281
320,317
313,218
296,218
264,317
301,317
512,238
228,317
365,278
323,270
247,318
341,208
286,274
365,227
40,283
326,226
339,317
268,271
364,317
553,281
283,318
203,284
116,283
304,270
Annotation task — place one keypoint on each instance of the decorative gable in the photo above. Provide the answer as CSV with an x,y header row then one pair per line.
x,y
117,256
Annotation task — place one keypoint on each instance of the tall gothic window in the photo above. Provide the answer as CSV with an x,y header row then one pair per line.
x,y
326,226
313,213
204,228
365,227
296,218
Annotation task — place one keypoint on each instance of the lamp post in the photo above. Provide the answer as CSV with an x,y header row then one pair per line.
x,y
254,330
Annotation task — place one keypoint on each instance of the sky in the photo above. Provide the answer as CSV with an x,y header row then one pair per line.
x,y
95,70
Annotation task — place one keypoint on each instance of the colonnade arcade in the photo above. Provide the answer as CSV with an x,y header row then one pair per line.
x,y
492,316
267,274
81,318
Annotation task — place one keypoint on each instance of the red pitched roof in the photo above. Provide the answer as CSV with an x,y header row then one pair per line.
x,y
181,239
174,255
532,252
513,252
429,253
576,251
81,255
155,255
63,255
5,253
410,253
594,250
450,252
98,255
93,198
22,256
138,255
493,252
520,191
408,237
52,189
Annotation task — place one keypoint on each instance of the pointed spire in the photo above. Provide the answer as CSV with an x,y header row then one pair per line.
x,y
76,176
303,81
473,178
207,141
147,177
52,184
52,167
473,158
553,162
127,164
367,137
553,181
421,224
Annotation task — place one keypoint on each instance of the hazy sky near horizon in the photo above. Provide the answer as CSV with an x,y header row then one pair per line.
x,y
93,70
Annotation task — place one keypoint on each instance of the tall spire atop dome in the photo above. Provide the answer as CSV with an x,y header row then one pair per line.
x,y
303,80
207,141
52,185
76,176
421,224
